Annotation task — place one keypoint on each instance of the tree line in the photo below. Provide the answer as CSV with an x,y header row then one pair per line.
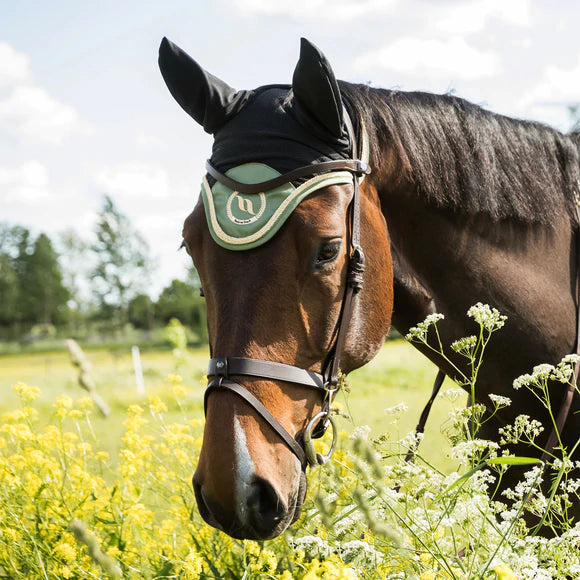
x,y
66,285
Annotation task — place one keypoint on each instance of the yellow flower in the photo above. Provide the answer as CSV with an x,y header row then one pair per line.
x,y
63,405
193,565
504,572
268,561
26,392
156,405
85,403
139,514
64,551
252,548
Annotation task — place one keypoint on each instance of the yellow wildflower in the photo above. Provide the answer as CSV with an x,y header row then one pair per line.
x,y
156,405
268,561
64,551
85,403
26,392
504,572
63,405
193,565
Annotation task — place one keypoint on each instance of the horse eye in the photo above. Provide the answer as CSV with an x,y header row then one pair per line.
x,y
327,252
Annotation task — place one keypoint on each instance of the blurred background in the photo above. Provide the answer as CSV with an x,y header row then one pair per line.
x,y
99,166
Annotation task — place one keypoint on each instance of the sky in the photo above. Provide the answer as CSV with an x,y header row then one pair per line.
x,y
84,110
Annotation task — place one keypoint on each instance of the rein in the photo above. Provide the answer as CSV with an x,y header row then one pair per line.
x,y
327,383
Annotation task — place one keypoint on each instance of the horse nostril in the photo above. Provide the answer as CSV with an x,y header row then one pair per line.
x,y
204,508
265,506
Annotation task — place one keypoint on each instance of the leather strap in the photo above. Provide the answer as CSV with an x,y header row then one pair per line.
x,y
232,365
255,403
353,165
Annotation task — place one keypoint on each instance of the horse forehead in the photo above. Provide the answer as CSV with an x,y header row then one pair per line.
x,y
324,210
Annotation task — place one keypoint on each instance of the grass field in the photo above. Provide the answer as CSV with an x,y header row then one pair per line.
x,y
398,374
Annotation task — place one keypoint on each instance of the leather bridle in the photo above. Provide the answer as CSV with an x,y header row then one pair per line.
x,y
222,369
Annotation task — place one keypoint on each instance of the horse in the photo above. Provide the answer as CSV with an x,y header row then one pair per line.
x,y
441,202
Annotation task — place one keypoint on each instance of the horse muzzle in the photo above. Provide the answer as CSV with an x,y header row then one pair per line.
x,y
260,513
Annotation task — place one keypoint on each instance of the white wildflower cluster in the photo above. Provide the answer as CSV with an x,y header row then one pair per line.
x,y
419,332
360,432
523,429
565,369
396,412
500,402
563,373
474,449
465,346
313,546
487,317
452,395
360,552
529,483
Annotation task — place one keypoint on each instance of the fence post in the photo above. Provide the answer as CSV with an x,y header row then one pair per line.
x,y
138,370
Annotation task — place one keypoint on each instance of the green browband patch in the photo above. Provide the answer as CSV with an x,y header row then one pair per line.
x,y
243,221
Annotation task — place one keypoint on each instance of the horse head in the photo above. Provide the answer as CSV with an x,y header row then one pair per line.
x,y
278,237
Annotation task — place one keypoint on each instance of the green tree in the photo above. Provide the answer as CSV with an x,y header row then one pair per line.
x,y
43,295
141,312
181,300
8,292
122,263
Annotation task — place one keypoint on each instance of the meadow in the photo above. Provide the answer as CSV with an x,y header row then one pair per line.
x,y
88,497
398,374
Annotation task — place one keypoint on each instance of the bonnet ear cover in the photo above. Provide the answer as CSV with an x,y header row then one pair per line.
x,y
316,90
209,100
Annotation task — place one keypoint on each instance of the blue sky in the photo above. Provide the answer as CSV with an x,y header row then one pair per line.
x,y
84,110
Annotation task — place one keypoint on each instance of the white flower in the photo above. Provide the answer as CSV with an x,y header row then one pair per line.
x,y
419,332
489,318
465,346
397,409
361,432
500,402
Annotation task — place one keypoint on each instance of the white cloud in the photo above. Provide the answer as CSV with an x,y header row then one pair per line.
x,y
134,181
35,116
450,59
13,66
556,85
469,17
337,10
26,184
29,111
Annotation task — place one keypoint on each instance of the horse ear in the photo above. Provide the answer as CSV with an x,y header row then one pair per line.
x,y
209,100
316,90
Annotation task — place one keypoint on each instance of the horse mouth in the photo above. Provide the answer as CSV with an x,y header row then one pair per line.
x,y
253,528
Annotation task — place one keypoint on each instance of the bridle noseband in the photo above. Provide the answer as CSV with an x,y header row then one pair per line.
x,y
327,383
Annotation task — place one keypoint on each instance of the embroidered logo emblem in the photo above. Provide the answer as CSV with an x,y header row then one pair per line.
x,y
238,212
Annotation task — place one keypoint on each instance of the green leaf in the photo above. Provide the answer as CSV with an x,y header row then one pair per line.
x,y
513,461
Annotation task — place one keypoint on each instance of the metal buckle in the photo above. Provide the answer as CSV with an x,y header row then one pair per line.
x,y
221,367
312,456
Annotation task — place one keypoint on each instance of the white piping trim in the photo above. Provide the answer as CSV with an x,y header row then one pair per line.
x,y
319,181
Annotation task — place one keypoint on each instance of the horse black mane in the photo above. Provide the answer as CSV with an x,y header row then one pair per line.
x,y
462,156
